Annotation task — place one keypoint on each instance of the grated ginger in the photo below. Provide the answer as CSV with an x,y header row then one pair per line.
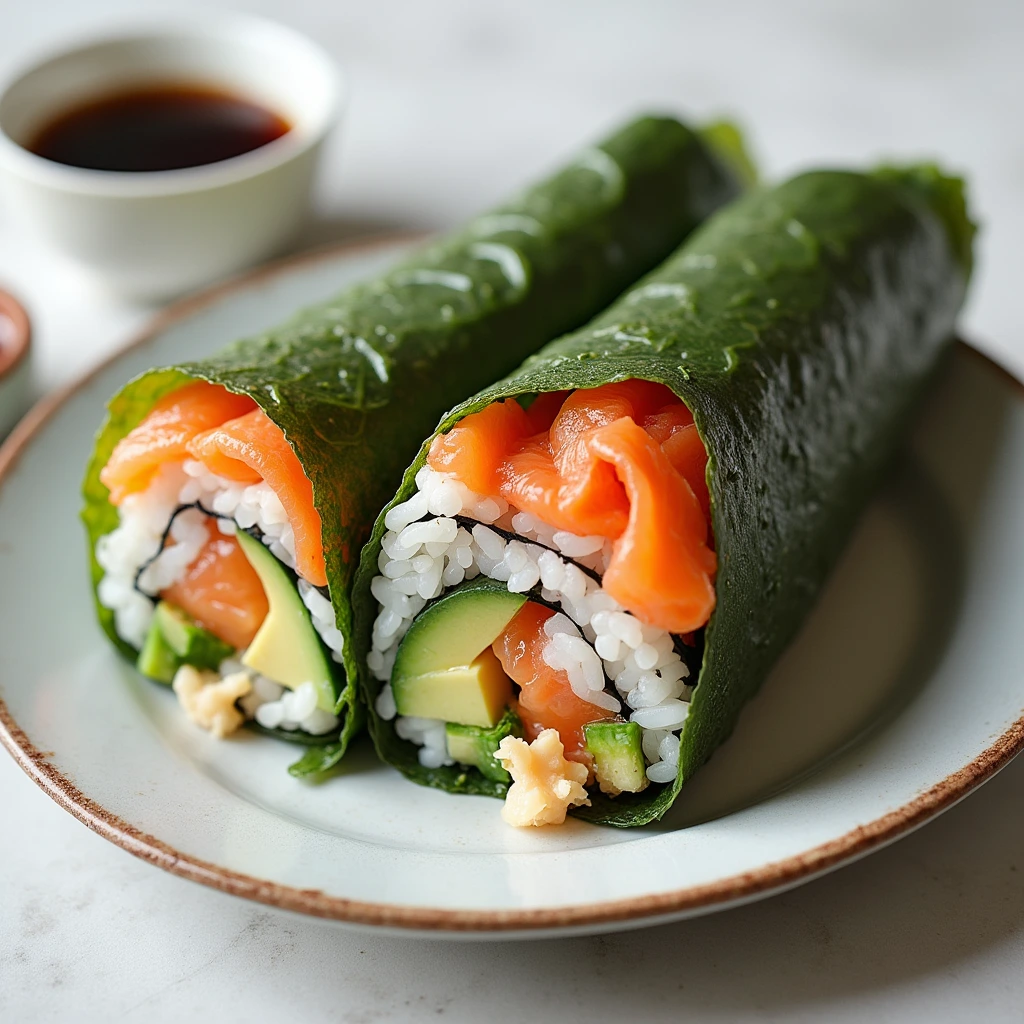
x,y
209,700
544,784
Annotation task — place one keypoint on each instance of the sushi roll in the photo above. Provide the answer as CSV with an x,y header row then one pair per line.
x,y
227,499
595,562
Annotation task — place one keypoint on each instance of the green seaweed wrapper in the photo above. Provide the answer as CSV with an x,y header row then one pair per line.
x,y
800,325
355,383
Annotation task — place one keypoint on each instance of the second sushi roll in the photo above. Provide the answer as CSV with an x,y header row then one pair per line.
x,y
594,563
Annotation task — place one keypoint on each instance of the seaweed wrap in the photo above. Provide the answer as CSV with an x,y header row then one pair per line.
x,y
227,499
594,563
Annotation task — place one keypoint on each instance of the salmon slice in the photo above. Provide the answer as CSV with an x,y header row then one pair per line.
x,y
542,411
584,498
622,461
474,449
686,451
669,420
661,567
546,700
221,591
164,434
252,448
234,439
590,498
597,407
673,428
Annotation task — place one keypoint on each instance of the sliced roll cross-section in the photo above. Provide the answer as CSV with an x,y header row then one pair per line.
x,y
215,571
576,574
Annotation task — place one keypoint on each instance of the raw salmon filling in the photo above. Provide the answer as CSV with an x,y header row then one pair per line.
x,y
594,504
203,464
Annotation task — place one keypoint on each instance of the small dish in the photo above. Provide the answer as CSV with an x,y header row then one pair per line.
x,y
901,695
15,371
157,233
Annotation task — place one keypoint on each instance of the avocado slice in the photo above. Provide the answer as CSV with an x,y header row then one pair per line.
x,y
444,667
286,648
157,660
474,694
190,642
618,756
469,744
456,627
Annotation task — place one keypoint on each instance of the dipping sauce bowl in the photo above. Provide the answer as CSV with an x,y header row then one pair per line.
x,y
156,233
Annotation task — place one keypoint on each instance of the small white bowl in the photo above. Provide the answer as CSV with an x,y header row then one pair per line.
x,y
152,234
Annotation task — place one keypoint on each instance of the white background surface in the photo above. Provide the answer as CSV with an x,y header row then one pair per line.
x,y
453,104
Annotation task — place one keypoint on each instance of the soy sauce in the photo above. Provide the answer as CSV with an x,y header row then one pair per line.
x,y
158,128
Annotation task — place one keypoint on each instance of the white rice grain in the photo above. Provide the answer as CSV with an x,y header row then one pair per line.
x,y
669,715
662,771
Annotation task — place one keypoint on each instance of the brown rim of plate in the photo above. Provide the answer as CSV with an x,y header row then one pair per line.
x,y
12,353
313,902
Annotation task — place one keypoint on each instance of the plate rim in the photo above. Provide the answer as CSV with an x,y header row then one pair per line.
x,y
635,910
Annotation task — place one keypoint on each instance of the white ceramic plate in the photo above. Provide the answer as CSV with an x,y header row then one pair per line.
x,y
910,669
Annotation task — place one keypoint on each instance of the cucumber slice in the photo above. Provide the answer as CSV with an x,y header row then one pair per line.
x,y
469,744
618,756
157,660
192,644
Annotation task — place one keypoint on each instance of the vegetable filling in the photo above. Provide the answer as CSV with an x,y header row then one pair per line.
x,y
590,511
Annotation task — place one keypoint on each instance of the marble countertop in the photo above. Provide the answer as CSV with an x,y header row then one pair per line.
x,y
453,104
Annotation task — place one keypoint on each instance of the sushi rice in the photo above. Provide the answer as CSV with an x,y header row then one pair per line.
x,y
610,657
137,540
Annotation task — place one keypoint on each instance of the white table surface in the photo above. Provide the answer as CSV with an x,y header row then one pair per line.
x,y
453,103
